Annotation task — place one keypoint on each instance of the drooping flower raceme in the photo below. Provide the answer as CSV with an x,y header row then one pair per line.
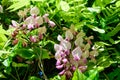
x,y
32,28
72,53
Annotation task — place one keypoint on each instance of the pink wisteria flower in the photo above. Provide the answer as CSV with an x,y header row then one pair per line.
x,y
77,53
34,11
72,53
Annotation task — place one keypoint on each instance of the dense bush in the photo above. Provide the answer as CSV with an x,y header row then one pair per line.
x,y
60,39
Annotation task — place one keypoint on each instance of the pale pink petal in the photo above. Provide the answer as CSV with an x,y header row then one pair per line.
x,y
59,38
15,24
51,23
29,20
58,55
66,44
77,53
34,11
57,47
39,20
45,16
68,35
59,66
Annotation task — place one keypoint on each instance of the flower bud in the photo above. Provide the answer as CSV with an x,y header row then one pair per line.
x,y
67,52
24,44
51,23
62,72
73,68
58,62
30,26
62,54
59,66
82,68
64,60
40,36
45,16
15,24
15,42
33,39
76,58
68,74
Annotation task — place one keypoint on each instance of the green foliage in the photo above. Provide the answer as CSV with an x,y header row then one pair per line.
x,y
34,78
78,75
100,18
90,75
25,53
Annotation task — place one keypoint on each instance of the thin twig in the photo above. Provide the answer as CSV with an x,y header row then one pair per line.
x,y
17,74
13,76
106,76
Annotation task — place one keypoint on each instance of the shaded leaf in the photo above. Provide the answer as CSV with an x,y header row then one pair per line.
x,y
14,64
34,78
25,53
44,54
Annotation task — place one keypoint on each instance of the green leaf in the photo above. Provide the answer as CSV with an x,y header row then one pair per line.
x,y
64,6
114,31
63,77
3,38
93,74
14,64
25,53
114,74
2,75
94,28
2,31
7,62
39,0
104,62
118,4
42,53
97,9
34,78
7,70
19,4
78,75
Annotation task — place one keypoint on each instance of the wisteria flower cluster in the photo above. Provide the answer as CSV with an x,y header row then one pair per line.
x,y
73,52
32,29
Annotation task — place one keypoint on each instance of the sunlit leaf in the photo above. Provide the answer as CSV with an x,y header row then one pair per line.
x,y
118,4
19,4
93,75
64,6
94,28
97,9
78,75
7,62
2,75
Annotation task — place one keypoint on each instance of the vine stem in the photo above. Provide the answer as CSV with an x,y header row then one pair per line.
x,y
106,76
13,77
40,65
17,74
